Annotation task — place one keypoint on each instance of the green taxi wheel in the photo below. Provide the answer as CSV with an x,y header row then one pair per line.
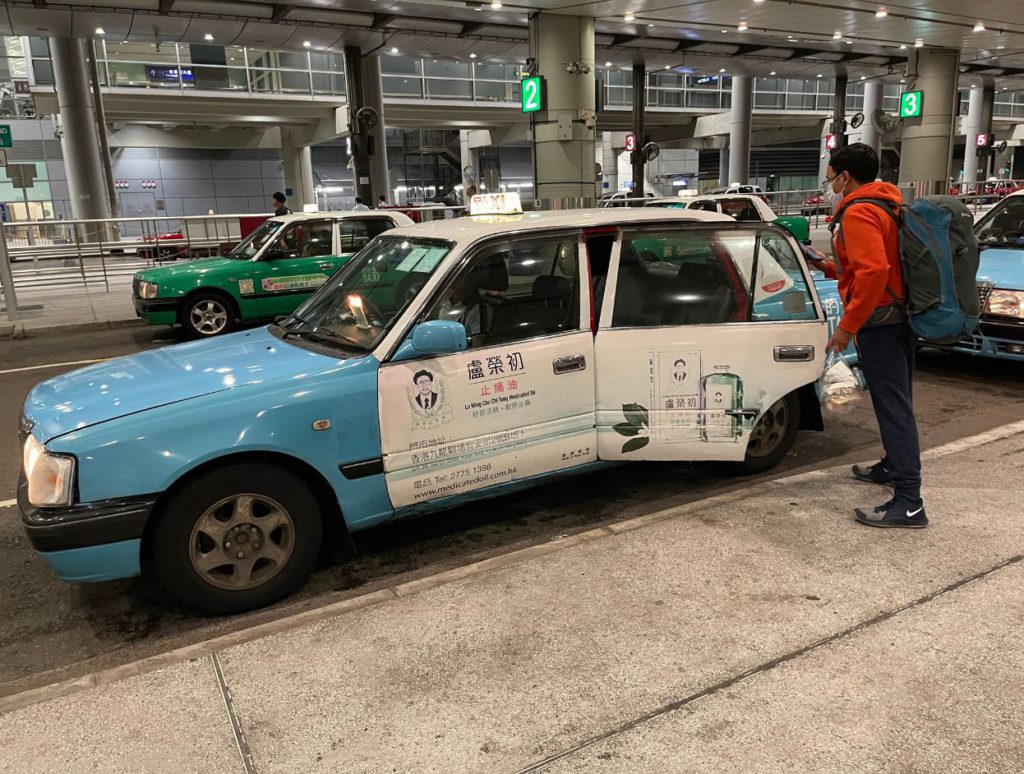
x,y
237,538
207,314
772,436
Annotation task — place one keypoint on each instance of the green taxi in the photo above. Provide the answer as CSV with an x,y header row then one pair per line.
x,y
269,273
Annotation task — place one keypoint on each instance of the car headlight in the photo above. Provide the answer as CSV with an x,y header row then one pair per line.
x,y
147,289
1008,303
50,477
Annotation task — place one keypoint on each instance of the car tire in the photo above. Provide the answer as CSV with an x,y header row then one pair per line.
x,y
772,437
237,538
207,314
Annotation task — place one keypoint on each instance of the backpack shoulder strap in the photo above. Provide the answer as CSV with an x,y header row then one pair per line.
x,y
892,209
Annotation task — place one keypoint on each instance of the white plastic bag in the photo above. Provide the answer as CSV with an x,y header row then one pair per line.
x,y
840,388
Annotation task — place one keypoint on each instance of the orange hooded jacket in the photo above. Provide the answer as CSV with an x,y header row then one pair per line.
x,y
866,246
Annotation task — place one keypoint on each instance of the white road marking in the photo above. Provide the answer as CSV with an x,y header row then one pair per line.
x,y
53,365
8,503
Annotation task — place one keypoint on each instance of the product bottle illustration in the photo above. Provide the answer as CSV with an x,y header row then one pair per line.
x,y
721,393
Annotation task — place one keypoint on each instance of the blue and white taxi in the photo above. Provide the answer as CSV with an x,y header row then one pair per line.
x,y
1000,332
447,361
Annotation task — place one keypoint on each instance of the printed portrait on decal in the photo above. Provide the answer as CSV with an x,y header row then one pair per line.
x,y
426,394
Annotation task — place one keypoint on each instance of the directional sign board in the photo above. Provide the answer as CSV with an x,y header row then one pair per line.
x,y
5,136
910,104
630,142
981,140
532,94
831,141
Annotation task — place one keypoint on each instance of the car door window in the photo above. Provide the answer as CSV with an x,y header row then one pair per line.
x,y
742,209
515,290
305,239
677,277
356,233
781,291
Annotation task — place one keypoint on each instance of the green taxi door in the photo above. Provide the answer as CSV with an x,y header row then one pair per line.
x,y
298,262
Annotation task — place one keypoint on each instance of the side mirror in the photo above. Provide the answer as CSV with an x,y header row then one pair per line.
x,y
434,337
273,254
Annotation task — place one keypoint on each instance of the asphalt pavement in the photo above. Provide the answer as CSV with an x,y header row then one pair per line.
x,y
54,631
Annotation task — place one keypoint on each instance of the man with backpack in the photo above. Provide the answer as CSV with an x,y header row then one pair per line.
x,y
866,245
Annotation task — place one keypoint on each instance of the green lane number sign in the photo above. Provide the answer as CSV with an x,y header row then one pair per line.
x,y
532,94
5,136
910,104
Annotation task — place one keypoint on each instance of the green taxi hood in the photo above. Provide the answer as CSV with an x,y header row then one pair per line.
x,y
202,267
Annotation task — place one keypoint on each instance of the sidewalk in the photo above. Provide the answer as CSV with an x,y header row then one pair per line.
x,y
40,308
758,631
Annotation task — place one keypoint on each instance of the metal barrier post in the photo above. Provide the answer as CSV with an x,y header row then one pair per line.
x,y
10,296
81,260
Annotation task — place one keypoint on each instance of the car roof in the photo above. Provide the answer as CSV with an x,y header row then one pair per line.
x,y
295,217
475,227
718,197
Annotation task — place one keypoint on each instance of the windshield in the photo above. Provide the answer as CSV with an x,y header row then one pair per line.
x,y
252,244
359,304
1004,224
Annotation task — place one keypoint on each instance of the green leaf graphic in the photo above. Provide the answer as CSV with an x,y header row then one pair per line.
x,y
635,414
634,444
624,428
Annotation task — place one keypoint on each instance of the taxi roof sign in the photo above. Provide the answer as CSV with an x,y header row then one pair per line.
x,y
506,203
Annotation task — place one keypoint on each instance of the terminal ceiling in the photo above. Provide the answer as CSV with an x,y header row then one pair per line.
x,y
794,38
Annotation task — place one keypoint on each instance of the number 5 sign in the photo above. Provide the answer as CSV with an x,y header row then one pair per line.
x,y
910,104
532,94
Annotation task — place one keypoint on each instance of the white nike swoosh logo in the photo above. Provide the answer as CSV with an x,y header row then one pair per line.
x,y
911,514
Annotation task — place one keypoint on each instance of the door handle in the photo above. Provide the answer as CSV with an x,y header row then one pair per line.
x,y
325,266
794,353
566,365
744,413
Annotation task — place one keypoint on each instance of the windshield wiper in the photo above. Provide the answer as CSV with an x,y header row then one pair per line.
x,y
313,333
1002,243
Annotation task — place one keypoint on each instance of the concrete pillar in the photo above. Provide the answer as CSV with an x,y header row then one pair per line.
x,y
839,109
564,133
358,132
979,121
872,102
723,166
298,171
636,158
927,148
80,142
739,131
373,96
609,163
825,153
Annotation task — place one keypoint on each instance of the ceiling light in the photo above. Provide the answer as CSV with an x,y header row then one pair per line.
x,y
863,77
758,1
742,26
1000,47
629,17
207,36
607,64
819,75
306,43
100,31
722,70
650,25
472,56
918,43
903,47
837,35
496,4
849,42
978,27
667,67
394,49
903,80
724,31
881,13
772,72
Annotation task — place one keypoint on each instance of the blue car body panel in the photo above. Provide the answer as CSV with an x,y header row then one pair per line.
x,y
277,392
109,561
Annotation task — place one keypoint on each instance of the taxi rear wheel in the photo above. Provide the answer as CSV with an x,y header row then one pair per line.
x,y
772,436
207,314
237,538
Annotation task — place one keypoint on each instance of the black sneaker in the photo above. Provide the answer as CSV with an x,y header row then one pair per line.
x,y
895,513
876,474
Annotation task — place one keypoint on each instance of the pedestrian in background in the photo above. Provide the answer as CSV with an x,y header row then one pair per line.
x,y
865,243
359,204
278,200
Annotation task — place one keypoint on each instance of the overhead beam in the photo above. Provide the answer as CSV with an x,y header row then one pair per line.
x,y
468,28
800,53
166,6
851,56
621,40
281,12
39,3
685,45
750,48
382,20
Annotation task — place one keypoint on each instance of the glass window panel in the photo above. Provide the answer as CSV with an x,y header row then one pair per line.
x,y
292,60
328,83
397,86
401,65
320,60
491,91
497,72
437,87
448,69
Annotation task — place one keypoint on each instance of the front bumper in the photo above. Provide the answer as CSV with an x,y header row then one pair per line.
x,y
158,311
996,337
83,525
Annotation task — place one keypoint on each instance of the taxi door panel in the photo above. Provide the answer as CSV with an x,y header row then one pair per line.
x,y
687,359
297,263
504,411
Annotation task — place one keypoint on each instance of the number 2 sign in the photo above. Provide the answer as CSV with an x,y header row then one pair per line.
x,y
532,94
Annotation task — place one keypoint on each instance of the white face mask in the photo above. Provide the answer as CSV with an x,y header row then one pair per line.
x,y
834,199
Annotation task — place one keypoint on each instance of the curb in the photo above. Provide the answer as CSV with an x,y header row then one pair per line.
x,y
402,590
20,330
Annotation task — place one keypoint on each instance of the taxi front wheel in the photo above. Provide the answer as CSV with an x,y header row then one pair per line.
x,y
772,436
207,314
237,538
